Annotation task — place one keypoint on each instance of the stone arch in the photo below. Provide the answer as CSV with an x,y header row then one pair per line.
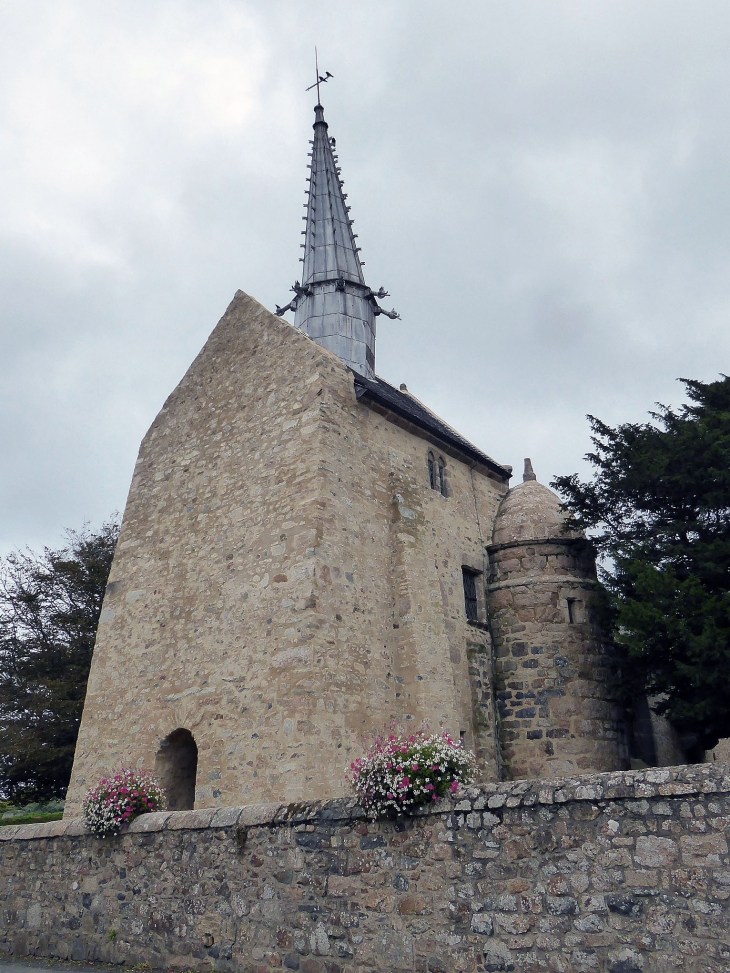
x,y
176,765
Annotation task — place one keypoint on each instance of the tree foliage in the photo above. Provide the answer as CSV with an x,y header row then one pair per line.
x,y
49,611
658,508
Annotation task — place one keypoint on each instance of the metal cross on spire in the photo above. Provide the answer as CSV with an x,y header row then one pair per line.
x,y
321,78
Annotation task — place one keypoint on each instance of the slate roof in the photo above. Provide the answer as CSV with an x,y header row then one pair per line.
x,y
407,407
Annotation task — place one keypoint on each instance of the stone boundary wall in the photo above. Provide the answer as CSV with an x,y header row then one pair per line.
x,y
625,872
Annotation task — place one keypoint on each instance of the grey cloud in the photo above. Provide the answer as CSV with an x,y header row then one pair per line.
x,y
541,187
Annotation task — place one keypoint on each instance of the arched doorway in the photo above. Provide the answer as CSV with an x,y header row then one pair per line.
x,y
176,765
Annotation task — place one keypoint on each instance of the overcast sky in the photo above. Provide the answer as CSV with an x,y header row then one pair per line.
x,y
542,186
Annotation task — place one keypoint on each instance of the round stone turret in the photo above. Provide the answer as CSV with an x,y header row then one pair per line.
x,y
551,661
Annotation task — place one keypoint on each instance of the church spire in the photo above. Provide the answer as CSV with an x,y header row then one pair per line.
x,y
333,304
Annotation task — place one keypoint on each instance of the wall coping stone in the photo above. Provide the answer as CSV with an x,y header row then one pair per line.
x,y
189,820
226,817
624,784
153,821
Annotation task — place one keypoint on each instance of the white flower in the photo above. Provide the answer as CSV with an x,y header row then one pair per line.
x,y
118,799
380,785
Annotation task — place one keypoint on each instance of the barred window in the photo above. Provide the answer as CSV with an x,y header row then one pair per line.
x,y
471,603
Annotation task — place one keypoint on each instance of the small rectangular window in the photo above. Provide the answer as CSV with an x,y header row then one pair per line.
x,y
471,603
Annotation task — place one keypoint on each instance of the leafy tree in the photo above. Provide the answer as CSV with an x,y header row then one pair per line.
x,y
658,508
49,610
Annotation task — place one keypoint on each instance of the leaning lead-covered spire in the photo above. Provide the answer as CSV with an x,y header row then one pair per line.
x,y
329,244
333,304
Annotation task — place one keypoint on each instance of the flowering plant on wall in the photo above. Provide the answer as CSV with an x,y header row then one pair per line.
x,y
117,800
399,773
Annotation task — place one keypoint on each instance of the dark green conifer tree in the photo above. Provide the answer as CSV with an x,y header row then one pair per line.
x,y
658,508
49,610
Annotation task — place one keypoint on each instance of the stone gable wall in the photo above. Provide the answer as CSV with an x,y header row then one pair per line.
x,y
285,580
611,873
193,633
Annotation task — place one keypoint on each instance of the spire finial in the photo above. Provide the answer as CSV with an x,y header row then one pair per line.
x,y
321,79
529,473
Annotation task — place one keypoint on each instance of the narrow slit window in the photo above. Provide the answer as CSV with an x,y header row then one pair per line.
x,y
432,470
470,594
442,476
571,610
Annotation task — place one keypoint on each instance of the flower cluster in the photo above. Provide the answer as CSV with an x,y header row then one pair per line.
x,y
117,800
399,773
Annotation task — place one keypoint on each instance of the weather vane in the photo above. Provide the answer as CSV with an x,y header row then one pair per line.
x,y
321,79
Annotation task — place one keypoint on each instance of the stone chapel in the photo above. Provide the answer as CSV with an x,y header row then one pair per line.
x,y
309,554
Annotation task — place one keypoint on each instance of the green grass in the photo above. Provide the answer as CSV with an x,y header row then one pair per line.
x,y
34,817
30,813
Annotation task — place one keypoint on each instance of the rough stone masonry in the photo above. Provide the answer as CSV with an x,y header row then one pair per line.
x,y
289,576
624,872
285,579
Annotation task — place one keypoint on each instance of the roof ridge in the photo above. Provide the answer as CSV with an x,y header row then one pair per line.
x,y
423,405
411,408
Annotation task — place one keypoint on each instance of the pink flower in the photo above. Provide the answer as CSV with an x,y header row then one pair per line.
x,y
390,797
429,787
414,766
454,786
405,782
389,765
